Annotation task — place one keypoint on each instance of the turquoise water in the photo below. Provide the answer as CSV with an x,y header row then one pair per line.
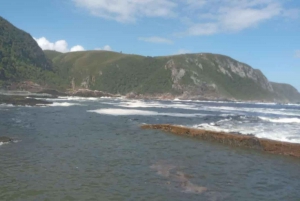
x,y
93,149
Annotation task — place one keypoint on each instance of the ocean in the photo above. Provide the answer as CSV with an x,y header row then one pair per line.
x,y
94,149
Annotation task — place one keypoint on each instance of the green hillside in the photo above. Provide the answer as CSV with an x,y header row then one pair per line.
x,y
190,75
20,56
286,92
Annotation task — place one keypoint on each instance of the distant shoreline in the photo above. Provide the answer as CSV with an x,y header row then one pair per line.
x,y
86,93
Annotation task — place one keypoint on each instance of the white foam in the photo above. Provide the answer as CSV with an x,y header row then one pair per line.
x,y
62,104
197,106
2,143
6,105
75,98
129,112
155,104
260,130
290,104
255,110
281,120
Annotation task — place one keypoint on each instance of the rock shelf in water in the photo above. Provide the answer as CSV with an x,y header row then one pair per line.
x,y
22,100
5,139
270,146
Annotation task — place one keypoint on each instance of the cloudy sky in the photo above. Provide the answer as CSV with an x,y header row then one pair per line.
x,y
261,33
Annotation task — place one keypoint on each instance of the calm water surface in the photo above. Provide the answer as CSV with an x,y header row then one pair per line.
x,y
93,149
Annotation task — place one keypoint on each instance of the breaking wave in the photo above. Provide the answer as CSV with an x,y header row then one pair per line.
x,y
61,104
288,112
128,112
260,127
281,120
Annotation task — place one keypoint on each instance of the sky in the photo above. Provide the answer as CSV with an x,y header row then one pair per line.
x,y
262,33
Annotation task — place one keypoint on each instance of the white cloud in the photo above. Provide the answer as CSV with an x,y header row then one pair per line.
x,y
128,10
239,18
297,54
202,29
60,45
233,15
106,48
155,39
201,17
77,48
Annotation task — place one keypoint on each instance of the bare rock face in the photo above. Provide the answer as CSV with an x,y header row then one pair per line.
x,y
235,140
228,66
177,74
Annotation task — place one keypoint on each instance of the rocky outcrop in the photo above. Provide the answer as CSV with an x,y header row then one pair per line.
x,y
52,92
5,140
229,67
24,86
22,101
235,140
176,73
90,93
80,92
165,96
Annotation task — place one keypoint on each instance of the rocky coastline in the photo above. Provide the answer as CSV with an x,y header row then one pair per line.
x,y
46,92
22,101
230,139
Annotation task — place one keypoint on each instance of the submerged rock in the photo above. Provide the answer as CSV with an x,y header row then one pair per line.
x,y
236,140
5,140
22,101
177,179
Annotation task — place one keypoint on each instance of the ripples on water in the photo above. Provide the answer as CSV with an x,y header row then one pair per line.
x,y
93,149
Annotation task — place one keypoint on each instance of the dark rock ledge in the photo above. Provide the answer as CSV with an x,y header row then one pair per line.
x,y
5,140
80,93
230,139
22,101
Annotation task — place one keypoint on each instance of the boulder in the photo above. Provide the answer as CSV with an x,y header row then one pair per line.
x,y
5,139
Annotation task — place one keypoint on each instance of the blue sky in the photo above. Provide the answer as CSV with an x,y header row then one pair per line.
x,y
262,33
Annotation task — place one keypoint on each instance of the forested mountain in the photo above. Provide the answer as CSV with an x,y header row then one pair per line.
x,y
20,56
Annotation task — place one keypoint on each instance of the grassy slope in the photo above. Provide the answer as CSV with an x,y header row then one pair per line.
x,y
114,72
123,73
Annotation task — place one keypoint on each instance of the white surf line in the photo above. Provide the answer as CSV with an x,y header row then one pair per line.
x,y
130,112
281,120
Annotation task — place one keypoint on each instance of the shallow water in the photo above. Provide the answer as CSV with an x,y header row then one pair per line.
x,y
93,149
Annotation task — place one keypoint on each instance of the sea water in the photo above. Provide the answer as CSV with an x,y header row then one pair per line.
x,y
94,149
